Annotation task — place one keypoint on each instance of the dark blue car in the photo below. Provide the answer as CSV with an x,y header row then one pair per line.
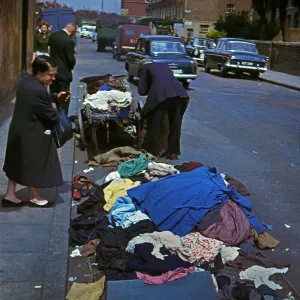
x,y
162,49
235,55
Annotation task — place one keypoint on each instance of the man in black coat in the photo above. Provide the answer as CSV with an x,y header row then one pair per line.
x,y
62,49
165,95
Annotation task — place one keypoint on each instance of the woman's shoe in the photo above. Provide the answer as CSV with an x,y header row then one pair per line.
x,y
7,203
38,202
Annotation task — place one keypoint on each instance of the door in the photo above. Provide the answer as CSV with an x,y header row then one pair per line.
x,y
24,35
190,48
131,58
140,55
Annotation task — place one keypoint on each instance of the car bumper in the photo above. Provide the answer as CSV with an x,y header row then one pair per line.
x,y
245,68
186,76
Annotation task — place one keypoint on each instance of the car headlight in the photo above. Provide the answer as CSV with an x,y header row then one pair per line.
x,y
196,52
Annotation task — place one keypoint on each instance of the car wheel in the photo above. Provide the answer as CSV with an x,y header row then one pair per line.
x,y
129,77
223,72
255,75
238,74
206,68
186,84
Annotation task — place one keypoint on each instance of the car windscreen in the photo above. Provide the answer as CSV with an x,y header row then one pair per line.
x,y
241,46
198,42
167,47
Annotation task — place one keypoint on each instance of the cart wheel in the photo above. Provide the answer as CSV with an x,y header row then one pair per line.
x,y
81,142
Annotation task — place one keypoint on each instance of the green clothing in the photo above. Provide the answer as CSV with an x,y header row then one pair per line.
x,y
41,42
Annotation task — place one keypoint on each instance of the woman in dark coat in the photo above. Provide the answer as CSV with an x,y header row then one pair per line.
x,y
165,95
31,155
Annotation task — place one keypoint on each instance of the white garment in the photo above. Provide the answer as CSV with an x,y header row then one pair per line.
x,y
156,171
229,253
159,239
224,176
115,175
260,275
102,99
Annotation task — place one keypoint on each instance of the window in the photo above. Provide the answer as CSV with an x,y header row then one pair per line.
x,y
204,29
199,42
190,33
241,46
166,47
229,8
129,32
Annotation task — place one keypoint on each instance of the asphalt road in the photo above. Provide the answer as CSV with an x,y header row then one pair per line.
x,y
248,128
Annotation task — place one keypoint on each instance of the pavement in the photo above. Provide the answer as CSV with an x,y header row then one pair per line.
x,y
248,128
281,79
34,241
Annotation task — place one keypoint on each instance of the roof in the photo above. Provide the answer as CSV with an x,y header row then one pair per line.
x,y
201,38
133,26
235,39
161,37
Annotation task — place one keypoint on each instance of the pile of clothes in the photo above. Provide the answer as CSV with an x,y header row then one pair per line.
x,y
109,94
158,223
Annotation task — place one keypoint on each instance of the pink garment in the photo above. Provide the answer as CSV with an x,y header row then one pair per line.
x,y
234,229
169,276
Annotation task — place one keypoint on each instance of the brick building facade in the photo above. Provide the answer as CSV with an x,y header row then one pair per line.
x,y
135,8
17,27
198,15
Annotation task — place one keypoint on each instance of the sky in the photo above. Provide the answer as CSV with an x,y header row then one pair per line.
x,y
108,5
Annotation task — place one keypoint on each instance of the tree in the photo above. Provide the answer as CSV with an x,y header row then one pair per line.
x,y
267,11
215,34
235,24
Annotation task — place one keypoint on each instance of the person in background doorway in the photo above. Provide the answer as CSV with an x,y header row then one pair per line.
x,y
175,33
62,48
41,41
165,94
50,27
31,157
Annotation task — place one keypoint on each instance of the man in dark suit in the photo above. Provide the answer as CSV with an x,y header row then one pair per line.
x,y
165,95
62,49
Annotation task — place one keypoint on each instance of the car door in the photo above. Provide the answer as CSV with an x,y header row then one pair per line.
x,y
131,59
217,55
138,56
190,48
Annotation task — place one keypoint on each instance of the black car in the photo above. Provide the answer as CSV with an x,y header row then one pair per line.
x,y
162,49
196,46
236,55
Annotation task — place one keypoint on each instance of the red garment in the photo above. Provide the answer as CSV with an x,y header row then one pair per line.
x,y
234,229
190,166
166,277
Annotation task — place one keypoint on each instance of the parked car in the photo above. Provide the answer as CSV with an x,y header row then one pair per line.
x,y
87,33
235,55
162,49
95,36
126,38
196,46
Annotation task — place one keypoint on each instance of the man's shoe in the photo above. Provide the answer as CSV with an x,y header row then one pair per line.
x,y
172,156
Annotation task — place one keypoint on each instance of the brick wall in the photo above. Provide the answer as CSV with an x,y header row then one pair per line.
x,y
284,57
13,54
135,8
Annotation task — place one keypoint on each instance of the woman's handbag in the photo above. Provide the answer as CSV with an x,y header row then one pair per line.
x,y
63,130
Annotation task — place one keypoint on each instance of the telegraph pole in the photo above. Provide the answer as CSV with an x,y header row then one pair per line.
x,y
102,6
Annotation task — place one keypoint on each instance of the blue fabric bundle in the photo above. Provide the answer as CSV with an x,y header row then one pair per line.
x,y
177,203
